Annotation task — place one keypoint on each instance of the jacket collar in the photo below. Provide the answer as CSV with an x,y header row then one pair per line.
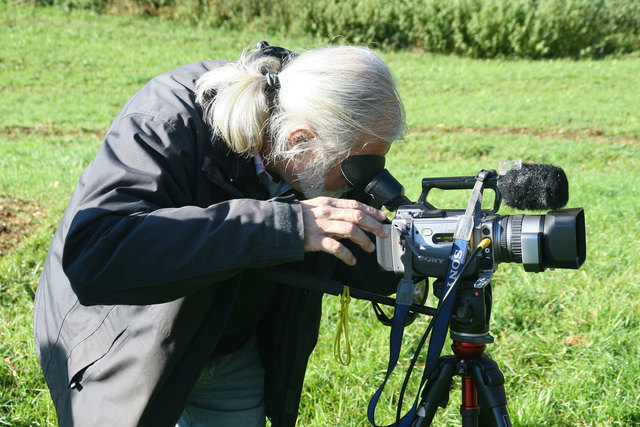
x,y
232,172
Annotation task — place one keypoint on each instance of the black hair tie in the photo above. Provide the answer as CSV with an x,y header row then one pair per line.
x,y
273,81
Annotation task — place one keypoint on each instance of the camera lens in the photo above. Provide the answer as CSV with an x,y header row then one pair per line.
x,y
564,243
510,238
538,242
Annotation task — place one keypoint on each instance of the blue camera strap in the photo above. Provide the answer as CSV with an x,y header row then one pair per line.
x,y
462,237
404,298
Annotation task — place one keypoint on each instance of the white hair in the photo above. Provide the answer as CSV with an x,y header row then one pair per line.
x,y
342,95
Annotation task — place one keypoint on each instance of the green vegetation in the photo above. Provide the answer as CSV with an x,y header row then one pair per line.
x,y
567,341
476,28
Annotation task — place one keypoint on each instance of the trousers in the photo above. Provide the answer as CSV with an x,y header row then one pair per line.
x,y
229,391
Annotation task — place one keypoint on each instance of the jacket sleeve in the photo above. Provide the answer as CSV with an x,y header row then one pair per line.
x,y
137,238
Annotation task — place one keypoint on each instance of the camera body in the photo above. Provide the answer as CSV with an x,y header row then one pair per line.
x,y
421,235
538,242
425,233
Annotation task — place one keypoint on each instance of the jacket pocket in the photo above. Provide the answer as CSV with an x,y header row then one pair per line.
x,y
92,349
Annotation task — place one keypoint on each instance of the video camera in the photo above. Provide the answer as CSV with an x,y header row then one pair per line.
x,y
538,242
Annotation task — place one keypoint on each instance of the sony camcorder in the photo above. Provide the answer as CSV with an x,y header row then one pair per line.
x,y
425,233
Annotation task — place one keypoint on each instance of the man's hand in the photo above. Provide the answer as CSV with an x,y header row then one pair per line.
x,y
326,220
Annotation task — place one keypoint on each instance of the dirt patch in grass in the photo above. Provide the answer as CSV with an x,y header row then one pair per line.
x,y
575,134
18,218
15,132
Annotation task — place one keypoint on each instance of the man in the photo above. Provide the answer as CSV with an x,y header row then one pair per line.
x,y
153,307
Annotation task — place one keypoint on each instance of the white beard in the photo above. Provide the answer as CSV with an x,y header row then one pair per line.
x,y
313,179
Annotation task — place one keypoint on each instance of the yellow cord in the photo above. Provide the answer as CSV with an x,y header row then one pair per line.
x,y
484,244
343,327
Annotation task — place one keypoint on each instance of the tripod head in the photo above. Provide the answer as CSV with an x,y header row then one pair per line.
x,y
469,321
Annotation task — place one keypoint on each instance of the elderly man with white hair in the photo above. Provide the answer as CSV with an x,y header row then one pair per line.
x,y
153,308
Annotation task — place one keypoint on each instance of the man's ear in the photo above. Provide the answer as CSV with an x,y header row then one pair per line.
x,y
301,134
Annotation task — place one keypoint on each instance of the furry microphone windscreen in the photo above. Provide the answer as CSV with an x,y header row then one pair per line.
x,y
534,187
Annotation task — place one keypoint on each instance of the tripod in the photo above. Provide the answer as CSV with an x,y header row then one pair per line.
x,y
483,397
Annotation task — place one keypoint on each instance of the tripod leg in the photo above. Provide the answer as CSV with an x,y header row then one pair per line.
x,y
469,409
489,383
436,391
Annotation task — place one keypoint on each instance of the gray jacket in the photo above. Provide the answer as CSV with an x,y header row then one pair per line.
x,y
160,233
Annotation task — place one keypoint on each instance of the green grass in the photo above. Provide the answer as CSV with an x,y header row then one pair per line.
x,y
567,341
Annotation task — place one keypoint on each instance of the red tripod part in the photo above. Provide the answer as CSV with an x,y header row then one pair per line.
x,y
467,350
469,395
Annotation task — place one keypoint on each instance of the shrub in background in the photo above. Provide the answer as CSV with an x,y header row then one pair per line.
x,y
477,28
527,28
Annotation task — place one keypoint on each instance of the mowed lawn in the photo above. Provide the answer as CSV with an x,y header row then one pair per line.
x,y
567,341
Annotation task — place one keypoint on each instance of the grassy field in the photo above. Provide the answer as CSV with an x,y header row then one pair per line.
x,y
567,341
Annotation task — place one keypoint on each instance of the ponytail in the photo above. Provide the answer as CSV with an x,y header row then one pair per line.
x,y
235,100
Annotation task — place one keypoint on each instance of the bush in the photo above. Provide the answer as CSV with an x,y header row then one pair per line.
x,y
528,28
477,28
